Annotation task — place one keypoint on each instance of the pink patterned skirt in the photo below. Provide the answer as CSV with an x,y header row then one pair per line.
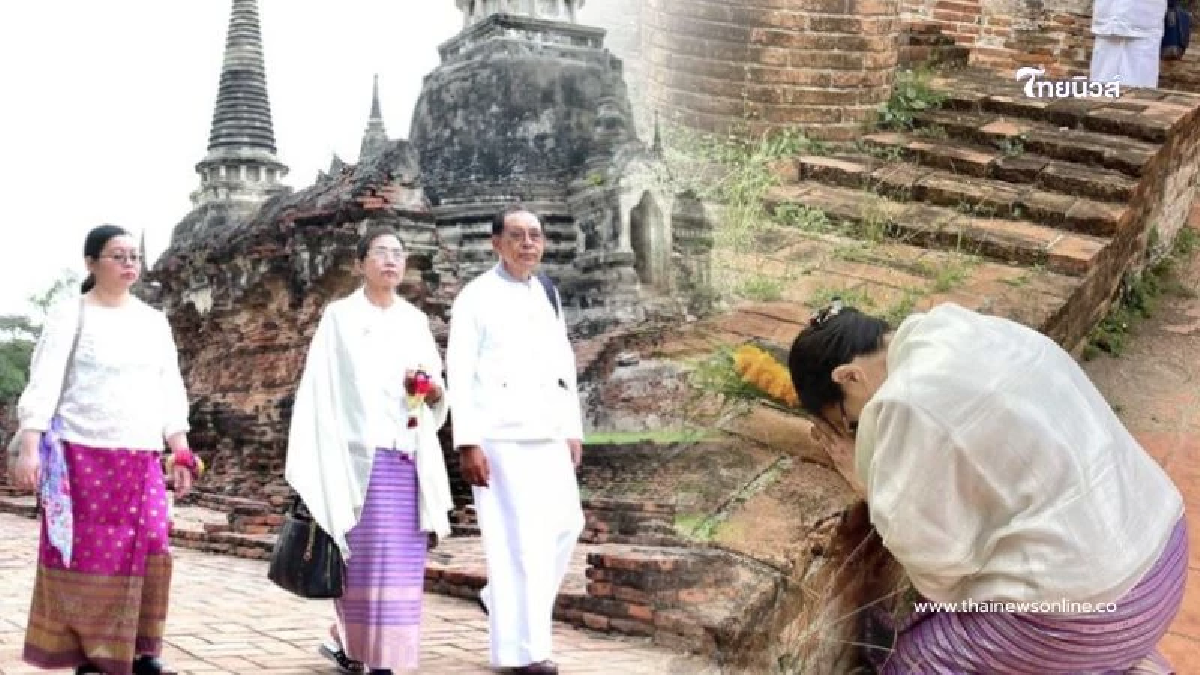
x,y
110,605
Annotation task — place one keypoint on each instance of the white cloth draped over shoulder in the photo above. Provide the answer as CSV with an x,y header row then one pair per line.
x,y
996,472
350,402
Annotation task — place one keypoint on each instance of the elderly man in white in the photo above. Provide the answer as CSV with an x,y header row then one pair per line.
x,y
518,428
1128,41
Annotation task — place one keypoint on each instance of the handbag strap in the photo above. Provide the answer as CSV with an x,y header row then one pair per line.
x,y
62,390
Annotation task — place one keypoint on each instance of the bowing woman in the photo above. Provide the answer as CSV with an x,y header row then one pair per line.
x,y
104,565
366,459
995,472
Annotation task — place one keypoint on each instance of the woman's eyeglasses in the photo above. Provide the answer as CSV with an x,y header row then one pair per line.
x,y
124,258
381,253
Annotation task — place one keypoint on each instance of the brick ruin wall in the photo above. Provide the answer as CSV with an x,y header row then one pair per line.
x,y
755,66
825,65
1004,35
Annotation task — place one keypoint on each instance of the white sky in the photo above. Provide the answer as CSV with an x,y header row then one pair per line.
x,y
105,108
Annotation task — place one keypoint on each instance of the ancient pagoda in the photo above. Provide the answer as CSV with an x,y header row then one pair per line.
x,y
241,164
375,138
475,11
241,170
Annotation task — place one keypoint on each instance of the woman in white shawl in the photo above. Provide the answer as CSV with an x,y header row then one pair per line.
x,y
365,458
1003,482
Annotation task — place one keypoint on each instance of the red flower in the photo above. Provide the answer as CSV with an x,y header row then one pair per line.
x,y
420,384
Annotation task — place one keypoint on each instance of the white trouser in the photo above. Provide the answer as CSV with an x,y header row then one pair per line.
x,y
1131,61
530,519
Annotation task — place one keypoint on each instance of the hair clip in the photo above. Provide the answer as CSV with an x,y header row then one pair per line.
x,y
821,317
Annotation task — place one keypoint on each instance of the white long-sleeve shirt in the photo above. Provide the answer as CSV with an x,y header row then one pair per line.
x,y
996,472
509,363
124,389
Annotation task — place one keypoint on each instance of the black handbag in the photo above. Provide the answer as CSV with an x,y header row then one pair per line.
x,y
306,561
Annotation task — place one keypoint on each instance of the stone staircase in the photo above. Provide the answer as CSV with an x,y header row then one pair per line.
x,y
1029,208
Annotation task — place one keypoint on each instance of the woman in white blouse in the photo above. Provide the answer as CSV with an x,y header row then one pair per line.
x,y
366,460
1003,482
104,392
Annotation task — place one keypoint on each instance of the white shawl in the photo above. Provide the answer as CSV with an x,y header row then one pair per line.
x,y
330,455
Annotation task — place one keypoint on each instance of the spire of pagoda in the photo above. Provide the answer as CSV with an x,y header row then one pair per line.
x,y
375,137
241,164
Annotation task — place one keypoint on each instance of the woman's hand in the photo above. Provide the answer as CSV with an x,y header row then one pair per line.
x,y
182,480
27,473
435,391
840,448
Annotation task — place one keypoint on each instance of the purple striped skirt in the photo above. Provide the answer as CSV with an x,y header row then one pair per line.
x,y
1124,641
380,611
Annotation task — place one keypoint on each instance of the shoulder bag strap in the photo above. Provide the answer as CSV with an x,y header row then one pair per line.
x,y
71,356
548,286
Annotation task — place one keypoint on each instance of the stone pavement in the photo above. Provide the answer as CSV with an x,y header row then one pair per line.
x,y
1155,387
227,618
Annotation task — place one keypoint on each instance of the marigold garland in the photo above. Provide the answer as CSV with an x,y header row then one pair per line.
x,y
759,369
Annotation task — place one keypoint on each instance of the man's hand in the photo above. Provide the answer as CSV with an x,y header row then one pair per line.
x,y
474,465
576,446
182,480
840,448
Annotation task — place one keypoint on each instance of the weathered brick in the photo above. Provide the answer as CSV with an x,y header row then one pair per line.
x,y
788,43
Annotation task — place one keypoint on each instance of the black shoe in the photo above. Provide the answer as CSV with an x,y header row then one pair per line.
x,y
88,669
150,665
345,664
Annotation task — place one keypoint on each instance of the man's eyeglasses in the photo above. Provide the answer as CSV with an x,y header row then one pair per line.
x,y
381,253
124,258
521,235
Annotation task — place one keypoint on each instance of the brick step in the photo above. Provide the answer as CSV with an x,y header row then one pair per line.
x,y
1124,155
1145,115
925,39
961,156
25,506
887,278
942,56
917,27
253,547
1015,241
980,196
237,505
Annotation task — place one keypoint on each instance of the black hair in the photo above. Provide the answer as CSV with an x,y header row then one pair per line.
x,y
834,337
94,245
369,237
499,218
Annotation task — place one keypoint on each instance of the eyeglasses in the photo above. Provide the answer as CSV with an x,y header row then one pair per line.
x,y
823,316
521,235
381,253
124,258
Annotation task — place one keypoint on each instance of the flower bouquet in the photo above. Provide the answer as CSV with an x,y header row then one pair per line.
x,y
417,386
